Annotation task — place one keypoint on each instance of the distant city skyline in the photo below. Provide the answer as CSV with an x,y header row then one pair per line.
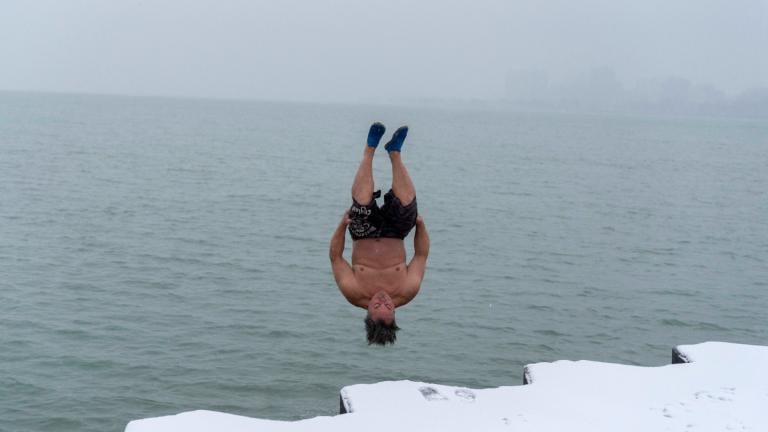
x,y
352,51
601,89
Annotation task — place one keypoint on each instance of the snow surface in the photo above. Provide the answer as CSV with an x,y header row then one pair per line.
x,y
725,388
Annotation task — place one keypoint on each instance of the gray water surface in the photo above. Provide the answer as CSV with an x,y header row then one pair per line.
x,y
161,255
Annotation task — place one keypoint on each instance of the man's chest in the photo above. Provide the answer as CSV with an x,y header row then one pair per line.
x,y
372,280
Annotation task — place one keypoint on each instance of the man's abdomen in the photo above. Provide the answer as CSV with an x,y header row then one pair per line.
x,y
378,253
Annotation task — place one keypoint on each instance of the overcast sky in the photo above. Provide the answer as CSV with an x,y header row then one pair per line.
x,y
357,50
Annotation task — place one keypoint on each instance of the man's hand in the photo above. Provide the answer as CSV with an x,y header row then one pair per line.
x,y
337,241
342,271
345,218
418,263
421,238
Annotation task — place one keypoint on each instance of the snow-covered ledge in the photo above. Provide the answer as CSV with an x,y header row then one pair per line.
x,y
724,387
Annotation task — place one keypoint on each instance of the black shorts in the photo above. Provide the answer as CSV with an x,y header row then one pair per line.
x,y
392,220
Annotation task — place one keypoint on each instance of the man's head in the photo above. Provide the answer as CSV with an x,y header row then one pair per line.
x,y
380,322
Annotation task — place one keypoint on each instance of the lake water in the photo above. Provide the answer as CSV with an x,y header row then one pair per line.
x,y
160,255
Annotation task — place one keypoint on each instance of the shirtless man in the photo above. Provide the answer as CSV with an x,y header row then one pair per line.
x,y
378,279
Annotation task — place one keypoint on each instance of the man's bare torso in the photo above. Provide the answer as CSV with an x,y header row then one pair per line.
x,y
379,264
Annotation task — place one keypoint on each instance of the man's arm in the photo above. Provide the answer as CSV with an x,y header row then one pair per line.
x,y
342,271
418,263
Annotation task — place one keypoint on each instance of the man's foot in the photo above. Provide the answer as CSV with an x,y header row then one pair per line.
x,y
375,134
396,143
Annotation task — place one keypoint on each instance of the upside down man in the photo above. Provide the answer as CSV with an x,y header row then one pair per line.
x,y
378,278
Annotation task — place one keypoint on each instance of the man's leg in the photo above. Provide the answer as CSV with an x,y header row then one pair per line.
x,y
402,185
362,188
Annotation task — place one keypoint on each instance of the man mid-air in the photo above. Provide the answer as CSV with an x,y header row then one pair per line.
x,y
378,279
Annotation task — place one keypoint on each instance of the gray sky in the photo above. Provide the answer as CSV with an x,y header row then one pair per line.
x,y
357,50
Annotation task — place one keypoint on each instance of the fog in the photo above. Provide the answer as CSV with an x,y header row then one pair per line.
x,y
380,51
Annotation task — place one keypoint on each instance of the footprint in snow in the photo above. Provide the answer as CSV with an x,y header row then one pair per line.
x,y
431,394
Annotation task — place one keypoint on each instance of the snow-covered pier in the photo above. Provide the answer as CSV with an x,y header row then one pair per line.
x,y
713,386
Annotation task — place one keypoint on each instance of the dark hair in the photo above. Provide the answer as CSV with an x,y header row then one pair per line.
x,y
379,332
